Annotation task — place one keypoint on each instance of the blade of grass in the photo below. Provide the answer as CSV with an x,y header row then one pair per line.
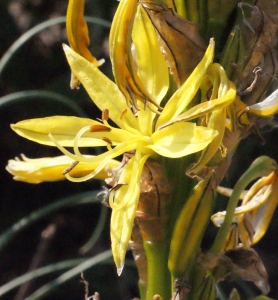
x,y
49,287
97,232
38,273
78,199
36,29
18,97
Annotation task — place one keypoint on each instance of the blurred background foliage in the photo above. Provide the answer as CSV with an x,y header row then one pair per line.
x,y
40,65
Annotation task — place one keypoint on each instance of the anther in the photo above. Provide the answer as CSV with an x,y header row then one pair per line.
x,y
105,139
105,115
123,113
70,167
99,128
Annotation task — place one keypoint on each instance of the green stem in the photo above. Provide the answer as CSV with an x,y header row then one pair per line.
x,y
182,185
159,280
143,288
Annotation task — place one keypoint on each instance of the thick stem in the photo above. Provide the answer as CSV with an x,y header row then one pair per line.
x,y
182,185
143,290
159,280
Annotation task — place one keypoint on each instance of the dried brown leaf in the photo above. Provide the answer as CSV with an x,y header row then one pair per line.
x,y
179,39
258,28
249,267
241,262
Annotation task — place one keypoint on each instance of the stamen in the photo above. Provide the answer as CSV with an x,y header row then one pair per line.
x,y
105,139
99,128
117,186
123,113
61,148
109,143
77,138
91,175
105,115
104,158
70,167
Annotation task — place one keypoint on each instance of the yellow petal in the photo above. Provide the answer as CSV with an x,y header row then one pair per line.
x,y
145,119
182,97
152,68
63,128
181,139
208,106
77,31
124,66
120,43
217,122
122,219
101,89
262,216
78,35
267,108
50,169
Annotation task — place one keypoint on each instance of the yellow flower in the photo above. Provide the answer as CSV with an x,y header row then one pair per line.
x,y
144,127
134,133
252,217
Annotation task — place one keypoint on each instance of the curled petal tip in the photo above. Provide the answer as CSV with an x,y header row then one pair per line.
x,y
65,47
120,269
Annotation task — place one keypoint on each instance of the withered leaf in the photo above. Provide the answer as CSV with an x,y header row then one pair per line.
x,y
139,254
179,39
153,208
258,28
249,267
242,262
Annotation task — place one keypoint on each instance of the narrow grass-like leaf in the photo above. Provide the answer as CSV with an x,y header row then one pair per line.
x,y
19,97
97,232
78,199
38,273
38,28
49,287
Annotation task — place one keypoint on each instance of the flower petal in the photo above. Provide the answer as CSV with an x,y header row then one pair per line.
x,y
50,169
182,97
181,139
152,67
77,30
207,107
100,88
262,216
78,35
64,129
122,219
